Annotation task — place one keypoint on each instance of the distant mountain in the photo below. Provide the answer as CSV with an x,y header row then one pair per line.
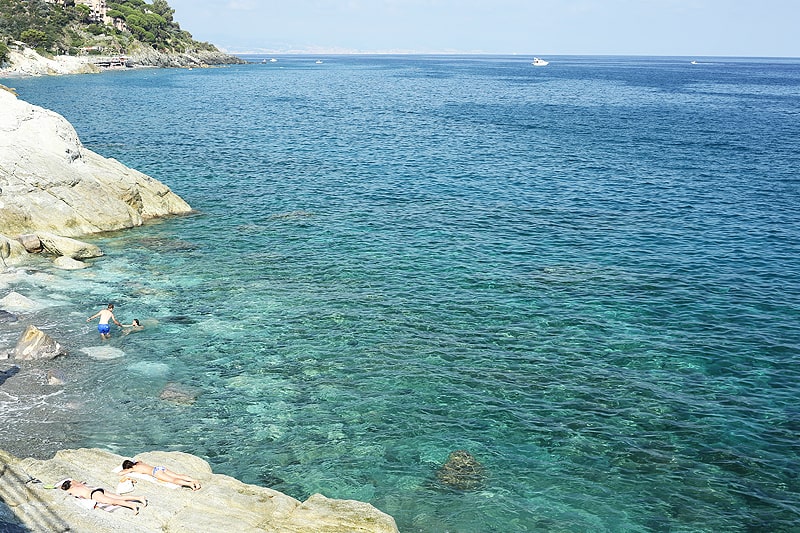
x,y
86,27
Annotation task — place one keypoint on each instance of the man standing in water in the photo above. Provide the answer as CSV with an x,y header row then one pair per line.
x,y
105,315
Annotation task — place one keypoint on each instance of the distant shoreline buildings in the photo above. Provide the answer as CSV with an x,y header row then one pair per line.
x,y
98,11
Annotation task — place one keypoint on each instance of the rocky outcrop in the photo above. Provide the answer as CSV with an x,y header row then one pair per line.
x,y
28,62
49,182
146,56
36,344
462,471
222,504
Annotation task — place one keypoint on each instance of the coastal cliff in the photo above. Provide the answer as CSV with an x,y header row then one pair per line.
x,y
49,182
222,504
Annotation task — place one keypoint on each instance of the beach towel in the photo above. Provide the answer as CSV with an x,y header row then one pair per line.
x,y
124,487
91,504
145,477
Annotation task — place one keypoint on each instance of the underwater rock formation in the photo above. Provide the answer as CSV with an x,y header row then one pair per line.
x,y
462,471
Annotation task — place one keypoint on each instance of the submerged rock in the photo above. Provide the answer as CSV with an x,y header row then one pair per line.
x,y
176,393
56,377
7,317
68,263
462,471
14,301
103,352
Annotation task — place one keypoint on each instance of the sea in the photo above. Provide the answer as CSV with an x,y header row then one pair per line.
x,y
586,275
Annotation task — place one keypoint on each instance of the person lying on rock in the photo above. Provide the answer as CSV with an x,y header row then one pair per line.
x,y
80,490
159,472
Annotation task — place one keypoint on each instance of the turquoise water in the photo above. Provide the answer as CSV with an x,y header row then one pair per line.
x,y
587,275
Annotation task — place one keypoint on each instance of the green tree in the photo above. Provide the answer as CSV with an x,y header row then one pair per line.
x,y
3,52
161,7
96,29
83,12
35,38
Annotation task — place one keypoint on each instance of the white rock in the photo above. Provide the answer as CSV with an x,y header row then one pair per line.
x,y
49,182
103,352
58,245
222,504
14,301
67,263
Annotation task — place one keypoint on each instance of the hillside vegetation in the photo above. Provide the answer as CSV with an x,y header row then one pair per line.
x,y
52,28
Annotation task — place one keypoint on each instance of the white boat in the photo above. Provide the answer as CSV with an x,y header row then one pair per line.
x,y
273,60
694,62
319,61
539,62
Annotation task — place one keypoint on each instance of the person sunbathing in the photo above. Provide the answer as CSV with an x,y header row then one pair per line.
x,y
159,472
80,490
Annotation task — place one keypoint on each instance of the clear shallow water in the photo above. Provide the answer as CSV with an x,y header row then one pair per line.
x,y
587,275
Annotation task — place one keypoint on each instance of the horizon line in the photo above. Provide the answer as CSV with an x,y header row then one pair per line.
x,y
462,53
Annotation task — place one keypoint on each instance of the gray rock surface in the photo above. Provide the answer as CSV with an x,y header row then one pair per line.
x,y
36,344
31,242
65,246
147,56
222,504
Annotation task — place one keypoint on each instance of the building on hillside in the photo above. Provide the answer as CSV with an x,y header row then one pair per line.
x,y
98,10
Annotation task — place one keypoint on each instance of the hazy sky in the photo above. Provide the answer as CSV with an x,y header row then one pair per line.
x,y
529,27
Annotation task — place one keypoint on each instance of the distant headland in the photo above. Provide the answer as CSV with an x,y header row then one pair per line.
x,y
85,36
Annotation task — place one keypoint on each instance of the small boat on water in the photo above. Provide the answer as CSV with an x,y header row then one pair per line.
x,y
273,60
537,62
319,61
694,62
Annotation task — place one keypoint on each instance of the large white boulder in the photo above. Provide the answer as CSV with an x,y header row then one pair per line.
x,y
50,182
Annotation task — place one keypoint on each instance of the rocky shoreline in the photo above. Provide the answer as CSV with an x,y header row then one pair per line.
x,y
27,62
29,501
49,185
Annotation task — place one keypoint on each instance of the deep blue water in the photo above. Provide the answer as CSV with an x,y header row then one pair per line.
x,y
587,275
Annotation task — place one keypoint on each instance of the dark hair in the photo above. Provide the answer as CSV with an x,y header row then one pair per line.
x,y
66,485
110,306
136,322
127,463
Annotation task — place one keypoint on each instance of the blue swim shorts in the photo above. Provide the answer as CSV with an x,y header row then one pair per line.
x,y
103,328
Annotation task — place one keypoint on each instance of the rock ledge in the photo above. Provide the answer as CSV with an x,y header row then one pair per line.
x,y
223,504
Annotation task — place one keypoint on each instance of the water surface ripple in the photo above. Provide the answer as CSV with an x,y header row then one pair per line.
x,y
587,275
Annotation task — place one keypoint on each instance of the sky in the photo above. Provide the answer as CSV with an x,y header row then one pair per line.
x,y
748,28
